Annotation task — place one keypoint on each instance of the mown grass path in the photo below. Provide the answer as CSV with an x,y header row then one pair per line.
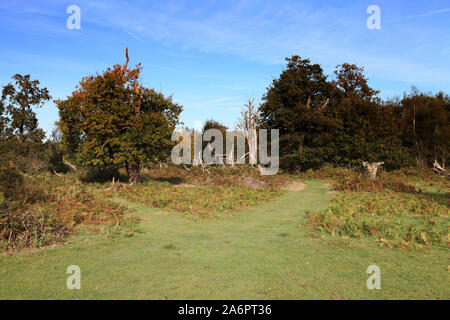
x,y
261,253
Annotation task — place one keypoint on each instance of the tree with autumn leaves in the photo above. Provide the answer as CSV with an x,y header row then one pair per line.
x,y
112,120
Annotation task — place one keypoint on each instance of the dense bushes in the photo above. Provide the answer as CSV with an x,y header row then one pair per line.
x,y
199,201
11,182
239,175
393,219
41,209
359,182
29,226
98,174
392,209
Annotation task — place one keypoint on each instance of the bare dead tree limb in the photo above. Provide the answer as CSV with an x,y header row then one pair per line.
x,y
439,169
126,63
248,124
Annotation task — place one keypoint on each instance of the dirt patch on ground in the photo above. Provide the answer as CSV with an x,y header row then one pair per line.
x,y
253,183
295,186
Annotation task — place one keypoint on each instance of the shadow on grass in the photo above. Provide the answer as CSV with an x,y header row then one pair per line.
x,y
171,180
441,198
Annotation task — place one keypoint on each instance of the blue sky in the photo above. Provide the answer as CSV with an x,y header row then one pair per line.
x,y
214,55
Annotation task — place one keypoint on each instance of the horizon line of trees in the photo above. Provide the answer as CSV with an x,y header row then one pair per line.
x,y
111,120
344,122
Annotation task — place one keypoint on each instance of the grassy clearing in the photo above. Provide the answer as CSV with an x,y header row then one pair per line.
x,y
238,176
261,253
41,209
204,201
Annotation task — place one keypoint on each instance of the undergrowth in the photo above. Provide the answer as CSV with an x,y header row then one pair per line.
x,y
197,201
392,210
42,209
240,175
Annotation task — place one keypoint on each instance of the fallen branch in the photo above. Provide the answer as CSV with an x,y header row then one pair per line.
x,y
71,166
58,174
440,170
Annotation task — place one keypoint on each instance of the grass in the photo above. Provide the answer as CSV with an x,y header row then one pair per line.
x,y
260,253
392,219
200,201
397,209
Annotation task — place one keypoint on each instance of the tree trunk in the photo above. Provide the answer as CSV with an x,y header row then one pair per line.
x,y
127,168
300,143
134,175
252,146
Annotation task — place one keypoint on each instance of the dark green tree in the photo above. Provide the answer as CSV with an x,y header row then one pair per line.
x,y
3,122
19,100
213,124
21,140
351,80
368,129
425,126
296,103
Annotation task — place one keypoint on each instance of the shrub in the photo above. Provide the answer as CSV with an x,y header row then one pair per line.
x,y
29,227
197,201
50,208
97,174
359,182
55,159
11,183
393,219
216,176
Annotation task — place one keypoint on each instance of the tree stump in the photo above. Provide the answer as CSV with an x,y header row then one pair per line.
x,y
372,168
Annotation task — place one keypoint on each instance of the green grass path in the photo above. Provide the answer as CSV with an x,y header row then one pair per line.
x,y
261,253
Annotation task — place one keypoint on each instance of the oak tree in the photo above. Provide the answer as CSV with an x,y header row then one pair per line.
x,y
19,99
112,120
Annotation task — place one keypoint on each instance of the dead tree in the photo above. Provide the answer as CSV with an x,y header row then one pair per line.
x,y
248,125
440,170
372,168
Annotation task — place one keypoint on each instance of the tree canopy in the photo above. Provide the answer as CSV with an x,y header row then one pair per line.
x,y
18,101
21,139
113,120
343,122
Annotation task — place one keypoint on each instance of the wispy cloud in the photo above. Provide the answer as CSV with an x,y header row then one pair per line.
x,y
427,14
134,36
228,103
216,101
268,31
